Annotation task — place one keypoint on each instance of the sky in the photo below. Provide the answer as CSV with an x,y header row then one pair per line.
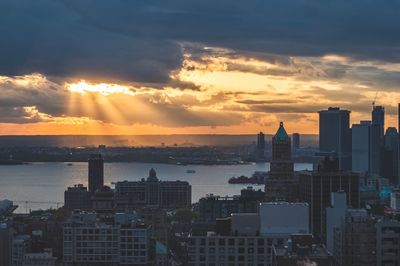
x,y
194,67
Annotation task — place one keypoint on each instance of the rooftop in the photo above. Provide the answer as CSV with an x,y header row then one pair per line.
x,y
281,134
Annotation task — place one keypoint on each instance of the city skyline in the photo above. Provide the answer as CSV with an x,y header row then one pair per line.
x,y
204,68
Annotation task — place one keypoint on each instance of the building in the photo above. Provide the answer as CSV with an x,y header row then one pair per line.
x,y
295,142
20,246
316,188
96,172
355,240
390,156
77,198
152,191
90,239
366,147
102,201
378,118
281,185
242,240
387,242
260,151
6,240
212,207
395,201
334,215
39,259
301,250
278,218
335,135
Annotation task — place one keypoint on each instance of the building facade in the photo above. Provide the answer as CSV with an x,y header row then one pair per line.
x,y
212,207
366,147
335,135
152,192
281,184
96,172
121,240
355,240
247,239
316,188
77,198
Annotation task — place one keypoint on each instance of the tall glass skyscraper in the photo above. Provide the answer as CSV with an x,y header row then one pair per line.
x,y
335,135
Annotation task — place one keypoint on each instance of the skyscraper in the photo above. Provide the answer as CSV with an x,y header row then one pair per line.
x,y
366,147
281,184
378,118
296,141
260,147
390,156
96,172
335,135
316,188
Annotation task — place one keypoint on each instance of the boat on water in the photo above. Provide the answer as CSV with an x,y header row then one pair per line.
x,y
190,171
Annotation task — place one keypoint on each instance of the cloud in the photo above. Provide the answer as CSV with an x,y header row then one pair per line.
x,y
34,98
142,41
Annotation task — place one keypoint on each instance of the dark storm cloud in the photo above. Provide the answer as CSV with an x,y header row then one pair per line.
x,y
138,40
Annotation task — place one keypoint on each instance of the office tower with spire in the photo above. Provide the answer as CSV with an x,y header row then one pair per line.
x,y
281,184
335,135
96,172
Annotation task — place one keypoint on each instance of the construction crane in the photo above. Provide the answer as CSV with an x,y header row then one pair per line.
x,y
374,102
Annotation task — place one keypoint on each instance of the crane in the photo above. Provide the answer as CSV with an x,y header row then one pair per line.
x,y
374,102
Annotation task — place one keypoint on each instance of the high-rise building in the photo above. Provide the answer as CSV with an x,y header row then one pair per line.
x,y
366,147
335,135
281,183
390,156
260,152
355,240
152,191
378,118
96,172
398,129
295,141
316,188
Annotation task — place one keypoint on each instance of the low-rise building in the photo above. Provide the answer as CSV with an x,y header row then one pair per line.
x,y
387,242
91,239
212,207
77,198
152,192
39,259
300,250
247,239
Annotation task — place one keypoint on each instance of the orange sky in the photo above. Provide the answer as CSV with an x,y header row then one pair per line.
x,y
224,95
